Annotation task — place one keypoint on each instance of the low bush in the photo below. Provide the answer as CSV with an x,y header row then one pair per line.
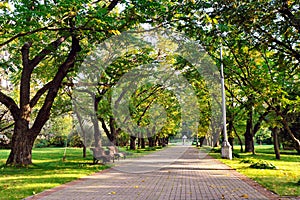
x,y
263,165
58,141
75,141
41,143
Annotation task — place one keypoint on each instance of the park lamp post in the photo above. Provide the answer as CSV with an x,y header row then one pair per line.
x,y
226,151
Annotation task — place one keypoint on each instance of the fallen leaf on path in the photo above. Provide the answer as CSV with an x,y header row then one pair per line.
x,y
112,192
245,196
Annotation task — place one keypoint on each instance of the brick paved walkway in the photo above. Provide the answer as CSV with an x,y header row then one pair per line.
x,y
177,173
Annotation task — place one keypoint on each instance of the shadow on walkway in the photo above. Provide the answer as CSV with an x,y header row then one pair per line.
x,y
176,172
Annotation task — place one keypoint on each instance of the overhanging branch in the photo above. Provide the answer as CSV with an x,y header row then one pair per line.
x,y
10,104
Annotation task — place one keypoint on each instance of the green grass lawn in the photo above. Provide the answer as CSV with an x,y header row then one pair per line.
x,y
47,171
283,180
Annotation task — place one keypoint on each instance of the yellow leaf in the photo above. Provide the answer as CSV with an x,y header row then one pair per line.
x,y
115,32
245,196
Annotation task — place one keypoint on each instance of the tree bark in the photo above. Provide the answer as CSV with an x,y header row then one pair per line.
x,y
23,137
151,141
97,133
22,143
249,143
132,142
239,138
143,143
275,132
82,129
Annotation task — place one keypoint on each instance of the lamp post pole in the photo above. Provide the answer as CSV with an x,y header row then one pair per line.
x,y
226,147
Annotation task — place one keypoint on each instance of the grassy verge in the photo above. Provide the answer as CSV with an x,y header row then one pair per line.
x,y
47,172
283,180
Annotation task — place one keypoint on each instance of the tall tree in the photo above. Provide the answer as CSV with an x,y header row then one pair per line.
x,y
48,37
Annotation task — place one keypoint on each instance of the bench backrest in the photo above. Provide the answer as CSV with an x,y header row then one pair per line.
x,y
98,151
113,149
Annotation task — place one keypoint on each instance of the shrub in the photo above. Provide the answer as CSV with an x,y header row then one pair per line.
x,y
298,182
262,165
40,143
75,141
58,141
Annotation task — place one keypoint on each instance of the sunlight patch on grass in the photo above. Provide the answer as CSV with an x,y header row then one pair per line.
x,y
282,180
47,172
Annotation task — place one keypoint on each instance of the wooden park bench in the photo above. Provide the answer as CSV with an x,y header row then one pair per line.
x,y
116,153
100,153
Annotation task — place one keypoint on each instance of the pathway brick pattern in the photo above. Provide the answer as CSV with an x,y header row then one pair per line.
x,y
180,173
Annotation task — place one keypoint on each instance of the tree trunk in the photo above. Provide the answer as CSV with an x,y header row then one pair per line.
x,y
249,143
230,130
22,143
23,137
132,142
139,143
84,151
82,130
97,133
239,138
230,140
151,141
275,132
143,143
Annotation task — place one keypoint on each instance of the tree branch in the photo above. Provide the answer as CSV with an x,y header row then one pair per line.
x,y
29,33
44,112
10,104
39,93
112,5
46,51
7,127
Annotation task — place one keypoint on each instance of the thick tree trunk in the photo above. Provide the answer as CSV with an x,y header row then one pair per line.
x,y
23,137
151,141
143,143
132,142
22,143
249,143
275,132
97,133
